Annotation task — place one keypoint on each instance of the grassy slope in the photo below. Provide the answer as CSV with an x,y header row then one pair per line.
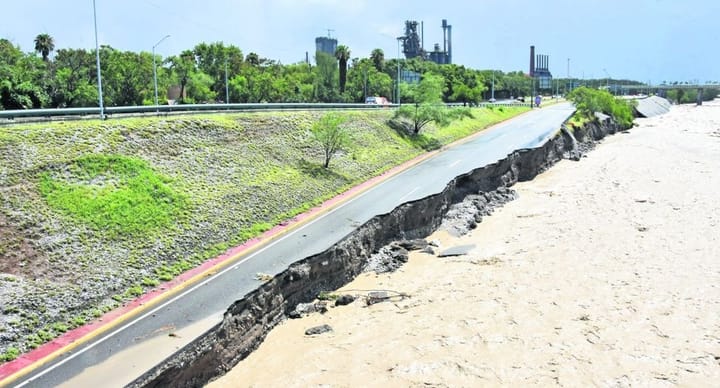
x,y
235,175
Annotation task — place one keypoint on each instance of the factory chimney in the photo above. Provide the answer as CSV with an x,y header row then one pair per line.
x,y
449,48
444,27
532,61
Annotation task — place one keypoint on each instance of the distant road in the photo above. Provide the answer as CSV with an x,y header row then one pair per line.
x,y
120,356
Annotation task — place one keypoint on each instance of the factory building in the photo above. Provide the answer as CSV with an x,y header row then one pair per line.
x,y
540,69
413,43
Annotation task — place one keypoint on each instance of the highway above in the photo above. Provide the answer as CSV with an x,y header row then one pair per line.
x,y
118,356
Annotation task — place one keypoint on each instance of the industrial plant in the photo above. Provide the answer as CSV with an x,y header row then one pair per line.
x,y
540,69
413,43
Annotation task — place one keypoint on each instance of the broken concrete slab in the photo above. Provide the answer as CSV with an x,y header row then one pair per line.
x,y
459,250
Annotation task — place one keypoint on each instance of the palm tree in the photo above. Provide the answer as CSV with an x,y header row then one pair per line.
x,y
44,44
253,59
342,53
378,58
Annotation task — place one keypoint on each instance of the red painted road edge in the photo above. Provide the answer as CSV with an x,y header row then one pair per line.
x,y
58,344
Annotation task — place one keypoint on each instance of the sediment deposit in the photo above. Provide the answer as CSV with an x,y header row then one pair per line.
x,y
248,321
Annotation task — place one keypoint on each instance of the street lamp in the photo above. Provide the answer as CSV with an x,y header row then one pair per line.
x,y
227,90
399,38
607,80
97,60
157,109
492,89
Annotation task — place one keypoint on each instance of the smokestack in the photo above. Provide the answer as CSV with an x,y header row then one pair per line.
x,y
449,52
422,36
532,61
444,27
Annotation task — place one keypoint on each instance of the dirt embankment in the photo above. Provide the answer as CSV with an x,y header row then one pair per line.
x,y
73,244
248,321
601,273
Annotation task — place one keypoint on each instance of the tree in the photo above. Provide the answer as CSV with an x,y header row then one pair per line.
x,y
428,106
73,83
44,44
253,59
212,59
21,78
342,53
378,59
588,101
183,67
328,132
325,77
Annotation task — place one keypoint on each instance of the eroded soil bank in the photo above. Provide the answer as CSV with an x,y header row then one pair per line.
x,y
601,273
248,321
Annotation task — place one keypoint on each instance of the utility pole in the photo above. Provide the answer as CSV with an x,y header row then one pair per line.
x,y
557,88
157,109
227,90
607,80
97,59
365,91
398,69
492,90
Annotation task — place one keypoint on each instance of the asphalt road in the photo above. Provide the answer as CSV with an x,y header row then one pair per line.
x,y
206,301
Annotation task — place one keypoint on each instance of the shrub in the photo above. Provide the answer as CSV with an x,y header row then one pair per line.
x,y
588,101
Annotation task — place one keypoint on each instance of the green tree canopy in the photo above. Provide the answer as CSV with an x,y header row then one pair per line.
x,y
44,45
331,135
342,53
428,106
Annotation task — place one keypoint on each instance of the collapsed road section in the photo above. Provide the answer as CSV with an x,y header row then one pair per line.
x,y
247,322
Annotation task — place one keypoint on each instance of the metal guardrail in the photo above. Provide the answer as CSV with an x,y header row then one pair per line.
x,y
120,111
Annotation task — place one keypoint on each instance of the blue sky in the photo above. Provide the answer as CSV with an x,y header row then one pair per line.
x,y
644,40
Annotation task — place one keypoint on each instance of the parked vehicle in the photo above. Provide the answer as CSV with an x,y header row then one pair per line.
x,y
377,101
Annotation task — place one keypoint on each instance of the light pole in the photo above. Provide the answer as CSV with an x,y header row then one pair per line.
x,y
97,60
607,80
492,88
157,109
227,90
399,38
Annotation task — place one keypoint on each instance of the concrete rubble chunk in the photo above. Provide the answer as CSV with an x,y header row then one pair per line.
x,y
413,245
652,106
344,300
318,330
459,250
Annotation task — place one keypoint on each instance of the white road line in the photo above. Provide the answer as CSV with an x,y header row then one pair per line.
x,y
206,281
408,194
455,163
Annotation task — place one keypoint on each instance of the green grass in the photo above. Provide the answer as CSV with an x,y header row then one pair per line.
x,y
577,120
482,118
113,193
129,203
10,354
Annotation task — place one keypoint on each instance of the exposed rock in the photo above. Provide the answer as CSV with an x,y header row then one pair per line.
x,y
376,297
413,245
344,300
303,309
388,259
318,330
429,250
